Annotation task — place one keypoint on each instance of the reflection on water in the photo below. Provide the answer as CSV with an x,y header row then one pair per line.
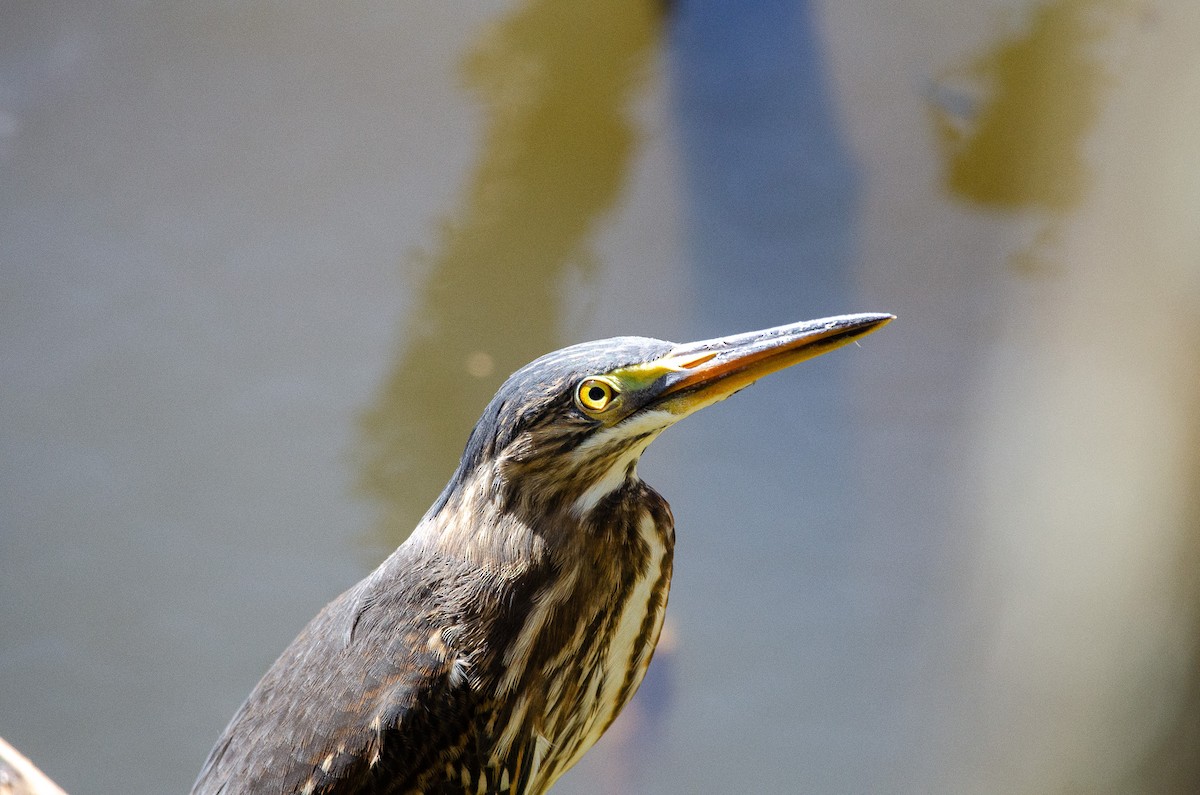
x,y
1085,434
1013,122
773,189
557,81
1024,146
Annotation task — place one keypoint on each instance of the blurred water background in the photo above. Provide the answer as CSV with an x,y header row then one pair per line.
x,y
261,265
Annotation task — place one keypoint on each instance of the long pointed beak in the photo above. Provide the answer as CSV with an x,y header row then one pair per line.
x,y
701,373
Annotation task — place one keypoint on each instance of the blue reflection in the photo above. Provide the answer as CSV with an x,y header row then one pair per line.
x,y
764,490
771,187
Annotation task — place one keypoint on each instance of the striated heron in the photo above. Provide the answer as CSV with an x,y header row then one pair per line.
x,y
497,643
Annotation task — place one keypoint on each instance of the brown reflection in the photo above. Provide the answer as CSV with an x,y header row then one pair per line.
x,y
556,80
1022,147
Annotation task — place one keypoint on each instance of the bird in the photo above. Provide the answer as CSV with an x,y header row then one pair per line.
x,y
494,646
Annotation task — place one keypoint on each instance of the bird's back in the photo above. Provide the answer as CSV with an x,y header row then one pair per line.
x,y
433,675
325,716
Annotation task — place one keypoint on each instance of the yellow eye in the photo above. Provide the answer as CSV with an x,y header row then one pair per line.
x,y
595,394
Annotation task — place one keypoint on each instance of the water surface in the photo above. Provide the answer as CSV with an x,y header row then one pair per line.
x,y
261,266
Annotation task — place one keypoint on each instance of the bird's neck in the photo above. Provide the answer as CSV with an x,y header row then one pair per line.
x,y
579,600
502,522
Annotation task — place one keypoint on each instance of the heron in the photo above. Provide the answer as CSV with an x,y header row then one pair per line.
x,y
494,646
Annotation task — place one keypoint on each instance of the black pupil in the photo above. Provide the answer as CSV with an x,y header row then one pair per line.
x,y
596,393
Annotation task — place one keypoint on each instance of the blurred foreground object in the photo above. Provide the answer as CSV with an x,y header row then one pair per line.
x,y
19,776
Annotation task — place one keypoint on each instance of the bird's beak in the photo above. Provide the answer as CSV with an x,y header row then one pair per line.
x,y
697,374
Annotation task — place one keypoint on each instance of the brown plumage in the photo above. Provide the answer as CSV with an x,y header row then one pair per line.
x,y
493,648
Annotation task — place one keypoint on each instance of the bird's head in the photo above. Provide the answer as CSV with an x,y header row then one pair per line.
x,y
567,429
